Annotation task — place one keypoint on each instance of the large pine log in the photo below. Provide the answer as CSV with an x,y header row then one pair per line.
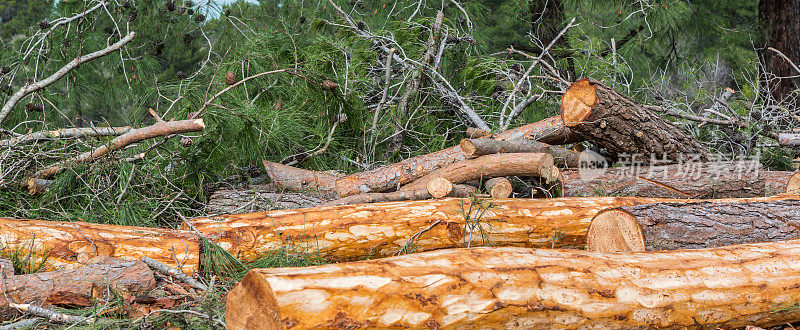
x,y
489,166
297,178
355,232
77,287
696,180
671,226
600,114
389,177
519,288
72,244
479,147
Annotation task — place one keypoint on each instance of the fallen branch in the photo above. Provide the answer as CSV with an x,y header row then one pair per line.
x,y
479,147
54,316
297,178
456,190
169,271
65,133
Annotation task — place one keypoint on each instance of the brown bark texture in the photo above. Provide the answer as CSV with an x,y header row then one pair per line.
x,y
460,191
294,178
490,166
77,287
478,147
520,288
389,177
675,225
782,30
604,116
258,198
697,180
72,244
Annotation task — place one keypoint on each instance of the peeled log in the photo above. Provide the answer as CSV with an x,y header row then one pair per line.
x,y
694,180
479,147
519,288
355,232
389,177
77,287
671,226
489,166
600,114
72,244
297,178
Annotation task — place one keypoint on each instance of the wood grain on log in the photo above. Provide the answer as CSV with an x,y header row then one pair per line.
x,y
479,147
72,244
793,184
439,187
77,287
489,166
389,177
671,226
474,132
519,288
600,114
297,178
499,187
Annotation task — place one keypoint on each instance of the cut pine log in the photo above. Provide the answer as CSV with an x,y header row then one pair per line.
x,y
694,180
789,139
793,185
72,244
78,287
389,177
499,187
355,232
519,288
456,190
597,113
489,166
257,198
672,226
479,147
294,178
474,132
439,188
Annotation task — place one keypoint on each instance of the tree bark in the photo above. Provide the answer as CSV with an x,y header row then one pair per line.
x,y
789,139
72,244
474,132
694,180
489,166
600,114
297,178
479,147
65,133
76,287
390,177
782,31
674,225
457,190
519,288
258,198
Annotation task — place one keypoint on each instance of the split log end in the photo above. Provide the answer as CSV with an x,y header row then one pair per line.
x,y
251,305
614,230
793,186
439,187
578,101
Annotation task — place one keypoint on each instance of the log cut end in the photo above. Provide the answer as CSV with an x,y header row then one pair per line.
x,y
439,187
251,305
614,231
499,187
578,101
793,186
469,148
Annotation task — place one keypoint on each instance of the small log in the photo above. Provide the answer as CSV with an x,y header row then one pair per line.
x,y
489,166
474,132
793,185
499,187
691,180
439,187
38,186
77,287
389,177
604,116
519,288
479,147
355,232
297,178
789,139
72,244
674,225
456,190
257,198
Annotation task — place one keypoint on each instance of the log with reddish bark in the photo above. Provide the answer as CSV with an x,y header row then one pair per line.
x,y
489,166
294,178
355,232
598,113
479,147
455,190
691,180
519,288
499,187
389,177
77,287
72,244
675,225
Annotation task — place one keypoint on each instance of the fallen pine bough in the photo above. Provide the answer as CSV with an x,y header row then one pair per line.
x,y
520,288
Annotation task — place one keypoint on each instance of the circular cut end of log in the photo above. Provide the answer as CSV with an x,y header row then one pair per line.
x,y
614,231
546,168
499,187
793,186
577,102
439,187
468,148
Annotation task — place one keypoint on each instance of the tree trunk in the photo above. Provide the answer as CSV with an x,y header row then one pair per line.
x,y
489,166
479,147
356,232
76,287
519,288
600,114
692,180
779,17
71,244
671,226
390,177
297,178
458,190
